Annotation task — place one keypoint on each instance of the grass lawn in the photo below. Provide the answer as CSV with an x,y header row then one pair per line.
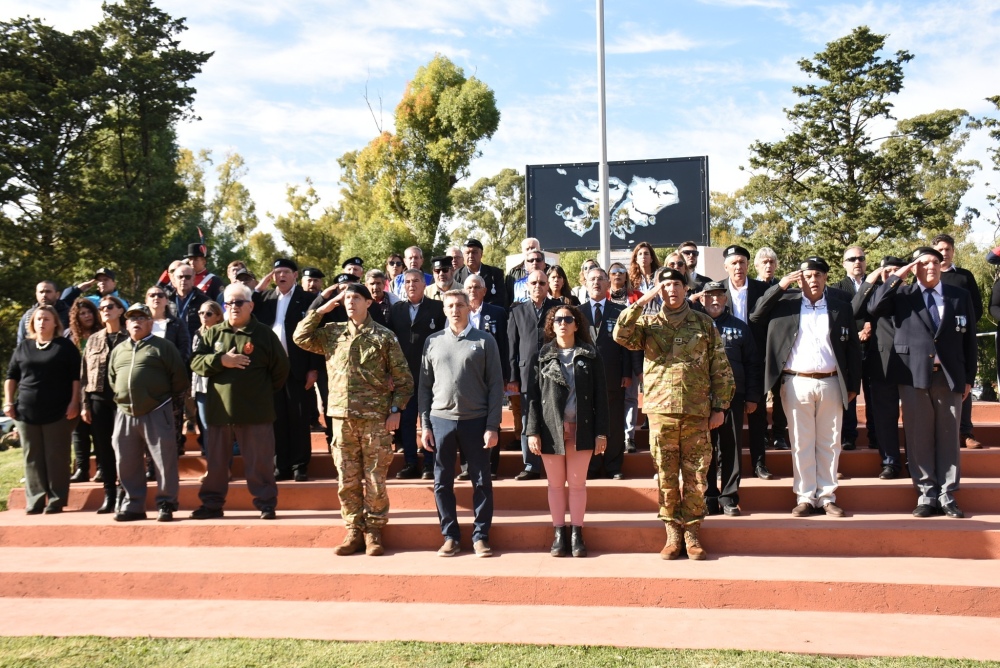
x,y
11,472
239,653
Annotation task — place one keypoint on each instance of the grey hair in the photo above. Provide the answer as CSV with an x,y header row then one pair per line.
x,y
764,252
244,291
475,278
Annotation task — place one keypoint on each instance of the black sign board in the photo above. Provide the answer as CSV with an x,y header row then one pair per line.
x,y
663,202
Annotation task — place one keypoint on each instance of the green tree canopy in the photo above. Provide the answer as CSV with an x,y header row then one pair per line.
x,y
495,211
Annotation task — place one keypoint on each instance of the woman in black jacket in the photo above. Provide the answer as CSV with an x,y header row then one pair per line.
x,y
567,419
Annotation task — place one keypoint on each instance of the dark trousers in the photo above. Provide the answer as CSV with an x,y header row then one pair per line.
x,y
257,448
532,462
46,449
726,455
930,420
292,443
884,409
133,438
966,427
408,436
323,390
102,427
610,462
82,439
450,438
494,460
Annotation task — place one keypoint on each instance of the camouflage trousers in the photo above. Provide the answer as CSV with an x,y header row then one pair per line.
x,y
362,450
680,444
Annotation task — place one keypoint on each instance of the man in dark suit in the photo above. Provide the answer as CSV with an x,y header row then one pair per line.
x,y
743,294
765,261
878,361
936,341
496,291
689,250
492,319
413,320
619,363
813,350
280,309
525,330
960,278
856,268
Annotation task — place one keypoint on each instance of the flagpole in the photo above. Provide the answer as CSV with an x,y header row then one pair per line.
x,y
605,227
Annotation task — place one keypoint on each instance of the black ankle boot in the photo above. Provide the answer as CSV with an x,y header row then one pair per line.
x,y
576,541
559,543
109,502
80,476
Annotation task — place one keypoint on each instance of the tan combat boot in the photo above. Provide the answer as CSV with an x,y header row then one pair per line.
x,y
672,549
694,549
354,540
373,541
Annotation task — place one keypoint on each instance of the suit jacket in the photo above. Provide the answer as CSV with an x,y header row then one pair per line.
x,y
880,345
700,281
619,361
430,320
916,341
496,290
780,309
755,290
846,285
493,319
963,278
524,334
300,361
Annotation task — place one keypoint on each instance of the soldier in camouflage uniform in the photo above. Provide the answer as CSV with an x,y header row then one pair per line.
x,y
688,385
370,382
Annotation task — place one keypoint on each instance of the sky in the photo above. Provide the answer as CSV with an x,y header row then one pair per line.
x,y
287,86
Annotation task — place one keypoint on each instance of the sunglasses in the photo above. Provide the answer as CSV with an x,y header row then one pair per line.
x,y
237,303
205,314
443,270
395,263
107,307
185,277
537,283
856,258
676,264
156,295
617,271
536,259
691,252
563,319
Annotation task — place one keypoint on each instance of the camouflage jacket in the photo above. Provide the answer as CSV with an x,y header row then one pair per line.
x,y
366,368
685,369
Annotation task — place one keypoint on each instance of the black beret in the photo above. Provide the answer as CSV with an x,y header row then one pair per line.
x,y
474,243
353,260
285,263
815,263
926,250
196,250
444,262
668,274
714,286
313,272
346,278
104,271
736,250
359,289
892,261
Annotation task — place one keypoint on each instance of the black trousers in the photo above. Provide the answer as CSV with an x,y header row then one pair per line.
x,y
102,428
726,454
965,428
323,389
611,461
81,447
884,409
292,446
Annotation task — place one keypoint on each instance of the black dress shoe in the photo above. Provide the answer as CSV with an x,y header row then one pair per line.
x,y
99,476
888,473
464,475
129,516
712,506
34,511
267,513
617,476
952,510
630,446
408,472
80,476
925,510
847,445
166,514
427,475
761,472
108,506
203,513
301,476
781,443
731,510
528,475
55,510
283,475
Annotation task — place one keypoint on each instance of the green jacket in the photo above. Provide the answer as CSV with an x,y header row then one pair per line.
x,y
367,371
145,375
685,368
241,396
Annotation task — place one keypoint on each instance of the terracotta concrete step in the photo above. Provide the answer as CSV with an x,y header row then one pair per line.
x,y
857,634
919,586
858,535
977,495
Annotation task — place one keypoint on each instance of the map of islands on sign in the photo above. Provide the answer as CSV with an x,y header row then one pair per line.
x,y
632,204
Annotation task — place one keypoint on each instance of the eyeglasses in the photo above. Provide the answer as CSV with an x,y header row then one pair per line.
x,y
237,303
856,258
563,319
588,267
691,252
617,271
394,263
156,295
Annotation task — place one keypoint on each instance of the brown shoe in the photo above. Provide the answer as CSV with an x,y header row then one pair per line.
x,y
833,510
694,549
354,540
373,543
802,510
672,549
971,443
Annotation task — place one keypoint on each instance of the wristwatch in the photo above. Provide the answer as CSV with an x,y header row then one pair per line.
x,y
394,409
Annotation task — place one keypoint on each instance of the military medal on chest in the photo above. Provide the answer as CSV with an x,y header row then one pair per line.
x,y
247,348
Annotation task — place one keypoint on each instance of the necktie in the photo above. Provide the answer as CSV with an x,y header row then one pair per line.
x,y
597,316
932,307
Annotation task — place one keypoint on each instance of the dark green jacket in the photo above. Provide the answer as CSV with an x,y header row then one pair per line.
x,y
241,396
146,375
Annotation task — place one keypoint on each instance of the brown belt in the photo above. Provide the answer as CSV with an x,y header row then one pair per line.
x,y
810,375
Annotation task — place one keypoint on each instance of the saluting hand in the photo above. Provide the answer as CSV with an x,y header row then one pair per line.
x,y
234,360
788,279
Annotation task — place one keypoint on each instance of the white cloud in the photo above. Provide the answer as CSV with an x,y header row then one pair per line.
x,y
633,39
737,4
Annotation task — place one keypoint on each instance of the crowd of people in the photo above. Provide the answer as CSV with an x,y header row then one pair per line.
x,y
382,350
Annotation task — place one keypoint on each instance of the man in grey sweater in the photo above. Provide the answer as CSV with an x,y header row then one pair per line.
x,y
460,398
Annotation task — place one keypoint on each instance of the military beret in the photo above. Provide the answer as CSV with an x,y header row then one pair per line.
x,y
284,263
891,261
138,309
736,250
993,256
815,263
714,286
926,250
668,274
353,260
313,272
474,243
104,271
444,262
359,289
346,278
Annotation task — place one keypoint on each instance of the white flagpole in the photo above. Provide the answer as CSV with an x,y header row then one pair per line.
x,y
605,253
